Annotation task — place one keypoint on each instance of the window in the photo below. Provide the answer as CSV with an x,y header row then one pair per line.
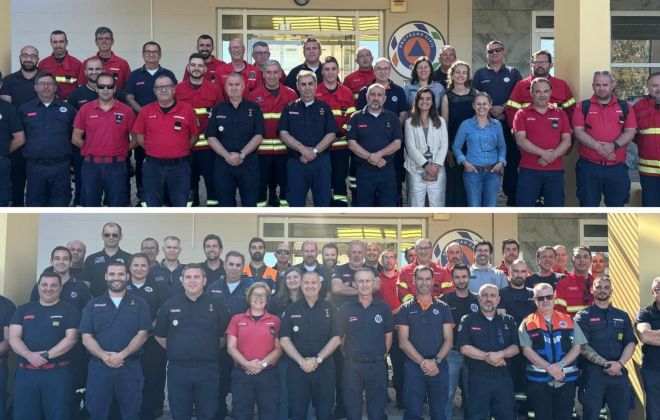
x,y
593,233
543,35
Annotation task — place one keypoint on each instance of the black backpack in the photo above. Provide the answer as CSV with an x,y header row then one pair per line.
x,y
586,104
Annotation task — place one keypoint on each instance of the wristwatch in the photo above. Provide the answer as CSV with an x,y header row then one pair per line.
x,y
45,355
264,364
437,360
319,359
245,363
315,150
616,145
241,155
562,363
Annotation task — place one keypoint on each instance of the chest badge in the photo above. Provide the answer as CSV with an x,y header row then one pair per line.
x,y
322,113
250,112
507,80
295,329
474,307
148,289
436,312
506,327
221,128
63,109
210,307
390,126
74,295
132,302
56,323
175,322
378,319
563,324
327,313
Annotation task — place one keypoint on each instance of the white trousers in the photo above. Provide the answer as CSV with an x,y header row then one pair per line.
x,y
418,189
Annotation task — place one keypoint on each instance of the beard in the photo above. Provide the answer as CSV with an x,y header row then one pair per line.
x,y
118,289
28,66
257,256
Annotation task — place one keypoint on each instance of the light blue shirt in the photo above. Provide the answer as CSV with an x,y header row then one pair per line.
x,y
485,146
411,91
481,276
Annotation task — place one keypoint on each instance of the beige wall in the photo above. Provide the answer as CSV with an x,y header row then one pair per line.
x,y
5,34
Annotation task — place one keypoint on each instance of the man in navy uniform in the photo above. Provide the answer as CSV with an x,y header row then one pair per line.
x,y
95,264
7,309
213,266
74,291
167,275
647,323
12,137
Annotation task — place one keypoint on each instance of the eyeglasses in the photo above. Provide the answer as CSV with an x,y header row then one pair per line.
x,y
46,84
283,251
236,48
361,56
382,68
258,295
604,73
389,258
261,52
101,87
656,289
111,235
546,297
540,63
586,290
495,50
422,248
149,248
31,56
500,337
164,87
150,52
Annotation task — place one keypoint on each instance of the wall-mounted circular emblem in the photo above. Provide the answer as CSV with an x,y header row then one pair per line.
x,y
465,238
411,41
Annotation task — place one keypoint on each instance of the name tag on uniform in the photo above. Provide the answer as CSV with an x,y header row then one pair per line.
x,y
118,118
555,124
272,330
177,125
57,324
620,336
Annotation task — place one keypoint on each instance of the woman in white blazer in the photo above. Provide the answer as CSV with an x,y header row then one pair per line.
x,y
426,146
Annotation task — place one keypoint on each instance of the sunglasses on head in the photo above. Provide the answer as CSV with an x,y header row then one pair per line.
x,y
604,73
542,298
111,235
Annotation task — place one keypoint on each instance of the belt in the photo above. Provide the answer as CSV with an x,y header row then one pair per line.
x,y
105,159
129,358
455,348
488,168
166,162
601,162
43,367
49,161
490,374
192,364
365,359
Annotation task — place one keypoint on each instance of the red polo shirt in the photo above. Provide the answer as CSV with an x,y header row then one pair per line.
x,y
251,77
211,68
66,73
106,133
387,292
167,136
202,100
116,66
544,131
255,338
605,125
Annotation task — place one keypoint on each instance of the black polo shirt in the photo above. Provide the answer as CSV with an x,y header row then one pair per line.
x,y
95,268
535,279
440,76
234,127
10,124
169,283
365,328
608,331
374,133
19,88
213,275
307,124
425,325
114,327
193,328
325,275
74,292
45,326
150,293
236,301
141,84
47,129
487,335
460,307
395,102
346,274
7,309
517,302
310,328
292,77
83,95
650,353
498,85
76,272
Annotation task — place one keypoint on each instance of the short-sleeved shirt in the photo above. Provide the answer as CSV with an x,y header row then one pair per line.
x,y
10,124
65,72
498,85
460,306
346,274
310,328
213,275
395,98
84,94
536,278
193,328
388,292
116,66
544,131
20,89
255,339
167,136
487,335
45,326
114,327
479,277
168,282
650,353
608,331
47,129
517,302
106,132
234,127
325,275
150,293
365,328
96,265
307,124
7,309
426,337
140,83
74,292
235,301
374,133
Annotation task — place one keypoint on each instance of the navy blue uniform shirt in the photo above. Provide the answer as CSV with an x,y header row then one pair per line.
x,y
608,331
141,84
517,302
169,283
235,127
83,95
7,309
374,133
47,129
45,326
425,325
307,124
292,78
347,274
10,124
235,301
149,293
498,85
19,88
95,268
395,102
193,328
325,275
650,354
460,307
365,328
310,329
486,335
74,291
212,275
114,327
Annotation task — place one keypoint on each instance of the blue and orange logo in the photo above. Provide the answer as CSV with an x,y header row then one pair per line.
x,y
411,41
465,238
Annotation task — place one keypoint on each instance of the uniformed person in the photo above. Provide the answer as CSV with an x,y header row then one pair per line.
x,y
461,301
149,246
310,333
117,66
551,343
611,345
425,332
488,340
213,266
95,264
114,327
205,48
78,250
283,258
235,130
249,73
48,123
253,344
42,333
364,75
63,65
167,129
312,52
307,128
167,276
12,137
367,324
7,309
647,323
257,270
310,253
191,328
423,256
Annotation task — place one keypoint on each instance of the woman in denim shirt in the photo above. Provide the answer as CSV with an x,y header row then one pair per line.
x,y
486,153
421,76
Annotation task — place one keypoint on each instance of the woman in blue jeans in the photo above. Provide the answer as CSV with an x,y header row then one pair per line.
x,y
486,153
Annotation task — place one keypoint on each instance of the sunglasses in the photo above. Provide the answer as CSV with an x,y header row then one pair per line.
x,y
111,235
546,297
425,321
495,50
604,73
101,87
283,252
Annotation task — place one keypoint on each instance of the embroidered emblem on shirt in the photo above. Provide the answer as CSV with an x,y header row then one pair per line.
x,y
474,307
563,324
74,295
378,319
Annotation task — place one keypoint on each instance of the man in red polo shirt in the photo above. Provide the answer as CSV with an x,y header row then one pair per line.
x,y
364,75
65,67
543,134
604,132
202,95
116,66
251,74
105,124
441,278
167,129
205,47
574,292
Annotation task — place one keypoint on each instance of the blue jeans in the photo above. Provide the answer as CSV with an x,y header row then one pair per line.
x,y
456,368
533,183
481,188
282,366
